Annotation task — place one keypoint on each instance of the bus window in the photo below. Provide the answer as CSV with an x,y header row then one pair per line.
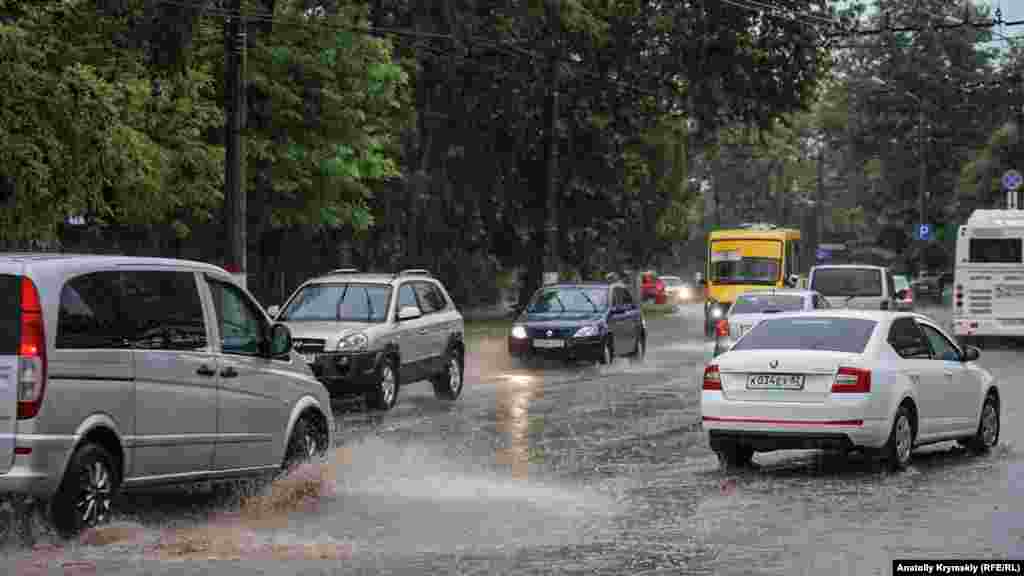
x,y
995,251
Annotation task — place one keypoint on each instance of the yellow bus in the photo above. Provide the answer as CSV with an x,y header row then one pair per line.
x,y
751,257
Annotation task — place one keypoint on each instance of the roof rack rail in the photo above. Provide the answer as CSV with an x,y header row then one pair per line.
x,y
414,272
344,271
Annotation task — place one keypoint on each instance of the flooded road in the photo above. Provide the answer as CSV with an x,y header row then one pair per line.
x,y
583,469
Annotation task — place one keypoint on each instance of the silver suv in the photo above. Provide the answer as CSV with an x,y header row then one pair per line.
x,y
855,286
372,333
122,372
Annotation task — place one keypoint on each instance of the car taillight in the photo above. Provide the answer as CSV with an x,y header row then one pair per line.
x,y
712,379
31,353
854,380
722,328
959,296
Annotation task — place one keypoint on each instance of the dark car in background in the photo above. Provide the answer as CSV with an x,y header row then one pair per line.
x,y
591,321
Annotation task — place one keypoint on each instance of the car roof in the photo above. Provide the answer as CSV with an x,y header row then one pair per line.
x,y
784,291
876,315
359,278
56,258
872,266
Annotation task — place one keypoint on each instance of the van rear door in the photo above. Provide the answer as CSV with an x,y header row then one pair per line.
x,y
10,337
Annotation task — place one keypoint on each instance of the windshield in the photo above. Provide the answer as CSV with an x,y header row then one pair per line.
x,y
568,299
767,303
338,303
833,334
995,251
847,282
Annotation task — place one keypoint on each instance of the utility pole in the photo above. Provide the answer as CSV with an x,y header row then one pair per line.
x,y
234,146
819,201
922,181
552,267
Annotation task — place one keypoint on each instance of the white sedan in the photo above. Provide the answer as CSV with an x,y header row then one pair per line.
x,y
884,382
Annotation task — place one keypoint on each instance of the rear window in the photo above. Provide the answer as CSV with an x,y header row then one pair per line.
x,y
813,333
847,281
767,303
10,314
995,250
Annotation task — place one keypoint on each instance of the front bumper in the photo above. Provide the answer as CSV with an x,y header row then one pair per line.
x,y
575,348
346,371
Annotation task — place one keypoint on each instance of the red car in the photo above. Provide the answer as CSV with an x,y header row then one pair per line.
x,y
652,288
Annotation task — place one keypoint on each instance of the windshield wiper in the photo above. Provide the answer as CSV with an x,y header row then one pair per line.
x,y
589,300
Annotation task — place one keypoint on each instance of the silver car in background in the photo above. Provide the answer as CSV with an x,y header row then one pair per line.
x,y
123,373
756,305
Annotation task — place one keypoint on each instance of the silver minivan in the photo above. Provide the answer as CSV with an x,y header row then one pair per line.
x,y
858,286
124,372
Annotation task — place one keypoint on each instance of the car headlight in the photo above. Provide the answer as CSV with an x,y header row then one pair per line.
x,y
716,311
518,332
353,342
586,331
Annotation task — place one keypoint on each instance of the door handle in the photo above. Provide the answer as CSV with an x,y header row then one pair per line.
x,y
423,331
205,370
228,372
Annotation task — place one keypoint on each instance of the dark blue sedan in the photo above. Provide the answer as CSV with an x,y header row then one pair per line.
x,y
593,321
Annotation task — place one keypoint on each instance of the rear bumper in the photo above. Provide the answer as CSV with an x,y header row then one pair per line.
x,y
788,425
39,472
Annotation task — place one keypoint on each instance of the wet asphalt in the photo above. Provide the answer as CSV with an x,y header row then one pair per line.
x,y
554,469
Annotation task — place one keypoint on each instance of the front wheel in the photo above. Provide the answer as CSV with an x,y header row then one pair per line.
x,y
641,348
86,493
306,443
385,392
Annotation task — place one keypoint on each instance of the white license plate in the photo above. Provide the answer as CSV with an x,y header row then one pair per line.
x,y
549,343
775,382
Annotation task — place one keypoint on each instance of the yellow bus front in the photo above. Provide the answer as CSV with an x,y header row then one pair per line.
x,y
738,265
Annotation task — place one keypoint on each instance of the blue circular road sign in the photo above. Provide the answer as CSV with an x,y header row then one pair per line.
x,y
1012,180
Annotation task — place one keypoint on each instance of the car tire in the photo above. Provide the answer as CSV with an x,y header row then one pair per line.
x,y
90,481
448,384
607,352
900,445
306,443
735,456
987,435
384,394
640,352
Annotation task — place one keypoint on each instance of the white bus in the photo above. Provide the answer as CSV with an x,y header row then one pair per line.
x,y
988,289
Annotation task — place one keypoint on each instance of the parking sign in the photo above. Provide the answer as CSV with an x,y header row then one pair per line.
x,y
924,232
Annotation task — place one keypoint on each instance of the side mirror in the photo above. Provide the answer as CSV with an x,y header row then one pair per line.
x,y
901,294
794,279
409,313
971,354
280,340
274,310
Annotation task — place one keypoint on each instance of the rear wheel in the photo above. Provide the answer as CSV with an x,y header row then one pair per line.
x,y
448,384
607,351
86,493
735,456
987,435
898,448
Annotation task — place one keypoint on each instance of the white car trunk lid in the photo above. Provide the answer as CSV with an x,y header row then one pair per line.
x,y
802,376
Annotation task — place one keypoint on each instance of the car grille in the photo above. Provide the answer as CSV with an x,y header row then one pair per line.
x,y
555,332
308,345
